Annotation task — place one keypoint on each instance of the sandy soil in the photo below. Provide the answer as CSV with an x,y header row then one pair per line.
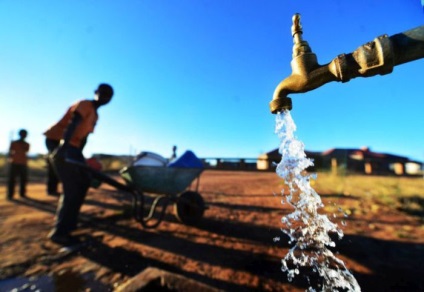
x,y
232,248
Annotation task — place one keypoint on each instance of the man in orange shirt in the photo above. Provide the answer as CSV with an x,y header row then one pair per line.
x,y
18,165
72,130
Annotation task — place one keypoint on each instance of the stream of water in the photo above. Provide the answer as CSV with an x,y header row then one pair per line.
x,y
308,231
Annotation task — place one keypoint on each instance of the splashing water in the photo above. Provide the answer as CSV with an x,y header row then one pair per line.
x,y
308,230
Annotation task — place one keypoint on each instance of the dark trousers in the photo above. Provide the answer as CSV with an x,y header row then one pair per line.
x,y
75,183
21,171
52,179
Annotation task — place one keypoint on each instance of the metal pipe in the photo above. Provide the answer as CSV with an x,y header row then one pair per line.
x,y
408,46
376,57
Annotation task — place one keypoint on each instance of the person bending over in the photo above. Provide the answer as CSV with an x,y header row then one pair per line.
x,y
77,123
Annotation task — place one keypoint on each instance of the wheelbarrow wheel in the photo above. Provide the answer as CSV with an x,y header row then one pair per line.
x,y
189,207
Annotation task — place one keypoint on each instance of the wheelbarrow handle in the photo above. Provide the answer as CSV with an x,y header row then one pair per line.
x,y
138,198
101,176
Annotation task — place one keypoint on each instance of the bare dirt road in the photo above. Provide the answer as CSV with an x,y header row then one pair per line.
x,y
232,248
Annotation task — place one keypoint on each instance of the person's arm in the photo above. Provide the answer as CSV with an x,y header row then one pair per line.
x,y
9,154
69,132
61,150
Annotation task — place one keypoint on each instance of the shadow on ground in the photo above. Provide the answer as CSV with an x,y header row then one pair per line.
x,y
393,265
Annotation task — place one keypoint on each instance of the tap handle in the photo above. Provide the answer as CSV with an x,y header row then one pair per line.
x,y
296,29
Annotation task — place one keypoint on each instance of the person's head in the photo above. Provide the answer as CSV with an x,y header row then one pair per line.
x,y
103,94
23,133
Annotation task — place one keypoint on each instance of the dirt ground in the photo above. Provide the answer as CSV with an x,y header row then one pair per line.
x,y
232,248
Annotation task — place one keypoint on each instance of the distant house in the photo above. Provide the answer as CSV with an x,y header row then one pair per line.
x,y
269,160
361,160
266,161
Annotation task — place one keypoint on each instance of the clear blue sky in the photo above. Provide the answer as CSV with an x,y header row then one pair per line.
x,y
200,74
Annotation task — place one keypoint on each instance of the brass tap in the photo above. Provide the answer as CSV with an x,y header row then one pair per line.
x,y
376,57
304,63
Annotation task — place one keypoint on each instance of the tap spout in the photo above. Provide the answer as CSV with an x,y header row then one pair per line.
x,y
376,57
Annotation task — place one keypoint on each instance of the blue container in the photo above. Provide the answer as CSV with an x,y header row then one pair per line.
x,y
187,160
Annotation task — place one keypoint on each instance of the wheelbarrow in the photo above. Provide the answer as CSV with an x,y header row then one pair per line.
x,y
167,184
